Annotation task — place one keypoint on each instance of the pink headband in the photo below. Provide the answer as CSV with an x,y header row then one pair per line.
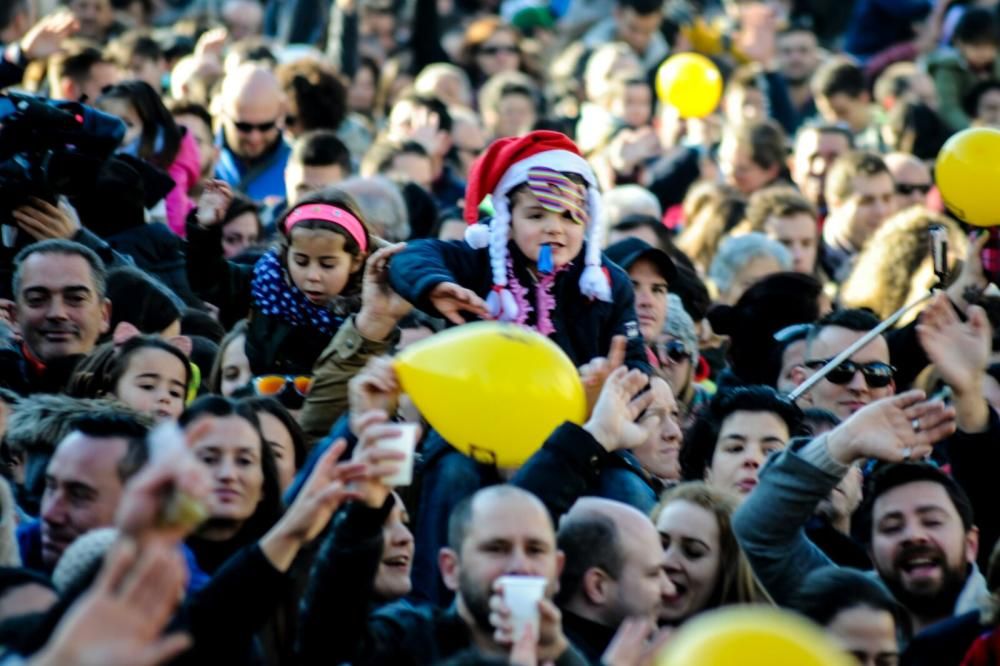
x,y
328,213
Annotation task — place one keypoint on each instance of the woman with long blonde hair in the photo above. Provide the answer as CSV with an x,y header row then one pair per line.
x,y
702,557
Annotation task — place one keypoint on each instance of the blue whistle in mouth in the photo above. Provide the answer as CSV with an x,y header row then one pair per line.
x,y
545,259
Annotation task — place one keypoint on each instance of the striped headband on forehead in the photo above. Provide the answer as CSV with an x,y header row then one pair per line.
x,y
557,192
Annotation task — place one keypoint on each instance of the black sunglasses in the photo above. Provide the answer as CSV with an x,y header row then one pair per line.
x,y
876,373
673,350
905,189
246,128
496,50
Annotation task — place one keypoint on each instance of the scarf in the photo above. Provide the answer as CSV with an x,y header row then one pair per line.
x,y
275,295
544,300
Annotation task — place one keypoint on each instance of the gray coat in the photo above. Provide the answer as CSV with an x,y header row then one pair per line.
x,y
770,524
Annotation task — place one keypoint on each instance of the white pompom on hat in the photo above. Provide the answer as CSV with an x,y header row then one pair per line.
x,y
503,166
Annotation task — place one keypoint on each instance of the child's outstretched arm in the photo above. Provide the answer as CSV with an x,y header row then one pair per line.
x,y
220,282
442,278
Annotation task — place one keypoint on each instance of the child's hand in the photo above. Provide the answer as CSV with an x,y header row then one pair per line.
x,y
381,307
451,299
213,202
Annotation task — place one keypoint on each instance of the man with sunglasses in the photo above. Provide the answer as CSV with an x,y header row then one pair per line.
x,y
253,152
913,179
862,379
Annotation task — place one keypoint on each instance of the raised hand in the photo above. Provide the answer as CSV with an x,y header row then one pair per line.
x,y
326,489
959,350
450,300
595,372
613,421
894,429
374,426
42,220
164,501
119,621
46,37
381,307
971,276
636,643
213,202
376,387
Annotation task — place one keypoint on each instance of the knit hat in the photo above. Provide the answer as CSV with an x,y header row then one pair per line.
x,y
680,326
503,166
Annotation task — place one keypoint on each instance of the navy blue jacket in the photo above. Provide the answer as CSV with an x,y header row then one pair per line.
x,y
584,328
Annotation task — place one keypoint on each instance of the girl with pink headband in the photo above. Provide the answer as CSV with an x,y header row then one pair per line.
x,y
299,292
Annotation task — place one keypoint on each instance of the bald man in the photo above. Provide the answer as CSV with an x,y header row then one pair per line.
x,y
499,531
613,571
913,179
253,153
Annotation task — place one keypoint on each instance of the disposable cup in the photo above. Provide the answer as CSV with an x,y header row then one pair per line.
x,y
522,594
406,442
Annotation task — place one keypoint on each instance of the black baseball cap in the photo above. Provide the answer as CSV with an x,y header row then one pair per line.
x,y
630,250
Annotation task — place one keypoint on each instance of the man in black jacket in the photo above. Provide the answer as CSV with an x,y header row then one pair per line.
x,y
614,571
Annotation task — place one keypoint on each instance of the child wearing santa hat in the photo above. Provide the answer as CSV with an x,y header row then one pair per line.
x,y
537,262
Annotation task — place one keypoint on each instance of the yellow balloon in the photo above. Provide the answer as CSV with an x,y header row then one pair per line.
x,y
967,170
751,636
691,83
493,391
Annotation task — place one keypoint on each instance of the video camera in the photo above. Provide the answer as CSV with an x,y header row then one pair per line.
x,y
51,148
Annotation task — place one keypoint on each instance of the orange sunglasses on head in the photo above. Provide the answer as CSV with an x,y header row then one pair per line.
x,y
275,384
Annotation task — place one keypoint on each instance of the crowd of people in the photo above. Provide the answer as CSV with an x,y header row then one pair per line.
x,y
197,338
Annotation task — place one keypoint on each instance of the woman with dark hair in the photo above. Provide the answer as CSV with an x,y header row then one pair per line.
x,y
241,226
856,611
153,135
732,437
283,435
245,501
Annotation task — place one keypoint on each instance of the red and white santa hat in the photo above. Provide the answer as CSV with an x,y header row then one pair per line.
x,y
503,166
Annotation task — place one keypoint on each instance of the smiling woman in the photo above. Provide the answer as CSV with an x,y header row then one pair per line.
x,y
245,500
701,555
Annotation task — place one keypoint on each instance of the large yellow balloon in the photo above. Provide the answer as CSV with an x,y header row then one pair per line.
x,y
751,636
967,173
493,391
691,83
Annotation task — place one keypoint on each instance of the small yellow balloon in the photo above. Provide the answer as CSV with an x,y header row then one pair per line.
x,y
751,636
493,391
691,83
967,171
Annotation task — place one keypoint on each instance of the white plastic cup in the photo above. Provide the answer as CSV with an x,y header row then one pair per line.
x,y
406,442
522,594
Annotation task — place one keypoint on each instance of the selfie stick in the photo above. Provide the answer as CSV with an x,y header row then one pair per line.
x,y
938,253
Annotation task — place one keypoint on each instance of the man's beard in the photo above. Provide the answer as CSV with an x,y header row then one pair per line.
x,y
928,603
477,601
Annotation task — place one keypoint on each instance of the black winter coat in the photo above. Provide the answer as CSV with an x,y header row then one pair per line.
x,y
584,328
